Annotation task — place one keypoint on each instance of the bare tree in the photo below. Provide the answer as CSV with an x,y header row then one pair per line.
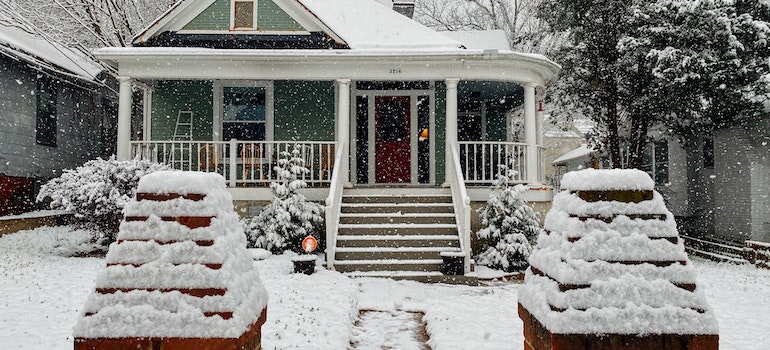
x,y
87,23
524,30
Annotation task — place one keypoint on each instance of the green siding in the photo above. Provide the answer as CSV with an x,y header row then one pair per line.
x,y
304,110
440,132
170,97
270,17
215,17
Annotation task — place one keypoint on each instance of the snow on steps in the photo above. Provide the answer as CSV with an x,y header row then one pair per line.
x,y
397,233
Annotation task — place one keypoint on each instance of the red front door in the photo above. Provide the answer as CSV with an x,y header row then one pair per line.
x,y
392,144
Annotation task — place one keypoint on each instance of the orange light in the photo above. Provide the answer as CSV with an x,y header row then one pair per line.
x,y
309,244
424,135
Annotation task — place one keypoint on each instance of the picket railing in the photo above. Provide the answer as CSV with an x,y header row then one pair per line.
x,y
480,160
334,204
242,163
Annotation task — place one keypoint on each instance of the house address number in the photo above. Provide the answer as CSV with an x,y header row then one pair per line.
x,y
394,70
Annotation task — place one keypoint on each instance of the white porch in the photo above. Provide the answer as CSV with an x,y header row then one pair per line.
x,y
464,164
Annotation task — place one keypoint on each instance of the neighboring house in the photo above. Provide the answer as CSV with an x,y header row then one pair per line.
x,y
718,187
566,150
726,195
55,114
378,103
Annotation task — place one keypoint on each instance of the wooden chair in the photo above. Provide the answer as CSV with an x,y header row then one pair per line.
x,y
208,158
251,158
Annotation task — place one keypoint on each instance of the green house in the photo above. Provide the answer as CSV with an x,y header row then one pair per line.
x,y
378,103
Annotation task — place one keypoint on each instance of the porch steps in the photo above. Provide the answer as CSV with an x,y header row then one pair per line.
x,y
397,233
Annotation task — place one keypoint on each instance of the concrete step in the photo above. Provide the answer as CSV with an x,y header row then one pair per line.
x,y
424,265
397,229
395,208
395,191
398,218
395,241
400,253
419,276
363,198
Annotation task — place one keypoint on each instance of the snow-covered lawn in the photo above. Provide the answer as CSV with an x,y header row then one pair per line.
x,y
43,291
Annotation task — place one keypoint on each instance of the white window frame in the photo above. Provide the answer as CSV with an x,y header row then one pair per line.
x,y
413,95
219,100
232,15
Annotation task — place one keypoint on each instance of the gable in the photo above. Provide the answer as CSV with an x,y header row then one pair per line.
x,y
290,24
270,17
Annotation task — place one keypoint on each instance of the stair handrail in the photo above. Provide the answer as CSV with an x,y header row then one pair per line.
x,y
334,203
461,202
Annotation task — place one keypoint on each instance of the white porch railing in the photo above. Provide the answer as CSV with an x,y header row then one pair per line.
x,y
242,163
462,205
480,160
334,204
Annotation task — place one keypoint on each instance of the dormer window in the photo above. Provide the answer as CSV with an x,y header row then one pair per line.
x,y
244,14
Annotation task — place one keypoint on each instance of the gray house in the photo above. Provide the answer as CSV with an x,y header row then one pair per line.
x,y
55,113
723,192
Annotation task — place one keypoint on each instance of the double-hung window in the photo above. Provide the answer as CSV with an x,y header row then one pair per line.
x,y
244,114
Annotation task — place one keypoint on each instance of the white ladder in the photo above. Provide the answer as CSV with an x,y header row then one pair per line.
x,y
181,153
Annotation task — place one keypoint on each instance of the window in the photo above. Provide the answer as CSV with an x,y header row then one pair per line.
x,y
45,126
244,113
656,161
244,14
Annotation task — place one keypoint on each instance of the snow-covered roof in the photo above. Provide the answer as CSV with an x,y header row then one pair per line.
x,y
47,54
481,39
367,24
361,24
582,151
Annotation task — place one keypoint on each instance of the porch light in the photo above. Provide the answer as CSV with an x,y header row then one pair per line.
x,y
424,135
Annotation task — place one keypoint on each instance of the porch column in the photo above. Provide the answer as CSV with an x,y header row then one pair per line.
x,y
124,120
451,122
343,123
530,128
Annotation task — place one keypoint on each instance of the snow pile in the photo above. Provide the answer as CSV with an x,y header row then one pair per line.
x,y
164,279
607,179
609,267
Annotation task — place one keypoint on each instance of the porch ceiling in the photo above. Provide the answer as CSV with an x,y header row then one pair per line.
x,y
196,63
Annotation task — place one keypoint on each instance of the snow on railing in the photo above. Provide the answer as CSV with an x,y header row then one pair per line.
x,y
243,163
334,203
480,160
462,204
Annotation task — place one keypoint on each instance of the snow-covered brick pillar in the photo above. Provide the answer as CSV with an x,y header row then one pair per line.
x,y
179,276
610,271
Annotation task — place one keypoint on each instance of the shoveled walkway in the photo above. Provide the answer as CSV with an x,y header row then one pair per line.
x,y
386,330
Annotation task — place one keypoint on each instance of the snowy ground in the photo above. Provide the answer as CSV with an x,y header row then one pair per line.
x,y
43,292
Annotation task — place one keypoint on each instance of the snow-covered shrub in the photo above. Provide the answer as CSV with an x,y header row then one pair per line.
x,y
509,226
289,218
97,191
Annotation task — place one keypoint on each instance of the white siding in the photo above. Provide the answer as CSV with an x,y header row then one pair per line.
x,y
732,200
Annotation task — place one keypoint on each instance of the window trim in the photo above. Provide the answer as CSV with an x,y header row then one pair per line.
x,y
254,14
219,102
51,88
